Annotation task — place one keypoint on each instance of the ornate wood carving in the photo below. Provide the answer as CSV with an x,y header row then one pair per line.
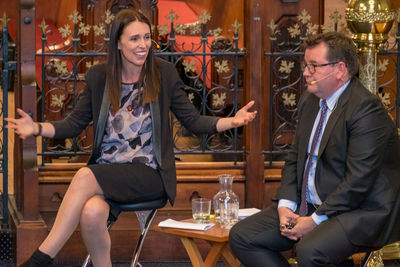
x,y
117,5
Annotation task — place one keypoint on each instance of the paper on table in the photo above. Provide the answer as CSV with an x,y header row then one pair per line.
x,y
185,225
243,213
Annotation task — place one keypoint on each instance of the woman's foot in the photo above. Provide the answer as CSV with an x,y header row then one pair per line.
x,y
38,259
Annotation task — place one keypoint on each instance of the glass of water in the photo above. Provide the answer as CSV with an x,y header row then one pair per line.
x,y
229,213
201,208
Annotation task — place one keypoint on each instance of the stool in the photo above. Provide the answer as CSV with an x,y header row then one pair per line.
x,y
145,211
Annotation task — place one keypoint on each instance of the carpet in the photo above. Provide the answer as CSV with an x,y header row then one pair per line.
x,y
395,263
144,264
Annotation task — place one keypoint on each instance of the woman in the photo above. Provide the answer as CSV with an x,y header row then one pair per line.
x,y
128,100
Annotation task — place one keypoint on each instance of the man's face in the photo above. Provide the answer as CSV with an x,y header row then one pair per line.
x,y
320,74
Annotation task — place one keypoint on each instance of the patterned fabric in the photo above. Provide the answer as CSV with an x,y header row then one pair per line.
x,y
128,136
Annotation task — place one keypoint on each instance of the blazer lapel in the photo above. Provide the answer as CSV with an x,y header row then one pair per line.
x,y
311,112
330,125
101,122
156,121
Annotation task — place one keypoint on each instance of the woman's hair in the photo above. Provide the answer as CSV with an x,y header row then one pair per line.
x,y
340,48
149,77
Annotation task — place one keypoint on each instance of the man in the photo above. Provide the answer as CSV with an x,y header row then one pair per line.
x,y
346,147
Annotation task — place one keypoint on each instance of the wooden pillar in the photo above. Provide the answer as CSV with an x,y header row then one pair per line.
x,y
25,98
254,67
25,214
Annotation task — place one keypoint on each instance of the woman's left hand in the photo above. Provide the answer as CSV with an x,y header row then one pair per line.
x,y
244,116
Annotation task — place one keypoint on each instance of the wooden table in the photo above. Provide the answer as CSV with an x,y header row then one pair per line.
x,y
215,236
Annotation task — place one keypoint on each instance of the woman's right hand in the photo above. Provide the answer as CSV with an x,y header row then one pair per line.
x,y
23,126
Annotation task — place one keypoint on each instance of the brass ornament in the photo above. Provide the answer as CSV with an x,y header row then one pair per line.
x,y
4,20
294,30
108,17
99,29
204,17
304,17
75,17
391,251
43,27
236,26
222,66
215,32
368,71
65,31
375,259
335,16
190,66
370,22
272,25
172,16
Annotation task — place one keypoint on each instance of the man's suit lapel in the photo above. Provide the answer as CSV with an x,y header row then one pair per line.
x,y
311,111
330,125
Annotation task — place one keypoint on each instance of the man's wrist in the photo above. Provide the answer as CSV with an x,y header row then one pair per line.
x,y
318,218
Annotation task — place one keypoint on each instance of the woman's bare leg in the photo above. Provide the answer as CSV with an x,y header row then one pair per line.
x,y
94,231
83,187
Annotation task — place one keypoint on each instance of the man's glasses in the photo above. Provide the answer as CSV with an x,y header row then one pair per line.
x,y
311,67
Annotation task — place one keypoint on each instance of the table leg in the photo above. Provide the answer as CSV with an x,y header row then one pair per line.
x,y
193,252
229,258
214,254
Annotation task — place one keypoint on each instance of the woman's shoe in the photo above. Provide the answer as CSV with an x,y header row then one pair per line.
x,y
38,259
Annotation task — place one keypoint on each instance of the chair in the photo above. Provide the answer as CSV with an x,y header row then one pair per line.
x,y
145,211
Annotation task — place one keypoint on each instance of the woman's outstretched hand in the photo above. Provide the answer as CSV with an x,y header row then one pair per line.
x,y
23,126
244,116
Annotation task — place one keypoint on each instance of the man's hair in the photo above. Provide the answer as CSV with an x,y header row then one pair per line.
x,y
340,48
149,77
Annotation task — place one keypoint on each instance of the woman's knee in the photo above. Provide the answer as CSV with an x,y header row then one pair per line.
x,y
84,174
84,180
81,178
94,214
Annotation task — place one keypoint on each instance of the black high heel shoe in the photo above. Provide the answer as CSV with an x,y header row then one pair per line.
x,y
38,259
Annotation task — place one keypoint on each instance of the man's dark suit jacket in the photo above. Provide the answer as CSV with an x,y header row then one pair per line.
x,y
93,105
358,170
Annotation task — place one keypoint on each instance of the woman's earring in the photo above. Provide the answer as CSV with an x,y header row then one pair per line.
x,y
157,45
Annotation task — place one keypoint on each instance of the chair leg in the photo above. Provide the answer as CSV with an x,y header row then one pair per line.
x,y
135,257
87,259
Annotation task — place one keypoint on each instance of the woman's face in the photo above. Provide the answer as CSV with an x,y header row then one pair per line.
x,y
134,44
